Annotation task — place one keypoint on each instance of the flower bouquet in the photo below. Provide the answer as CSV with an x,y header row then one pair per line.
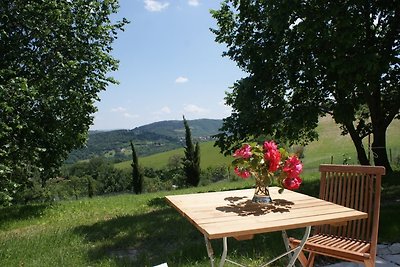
x,y
267,163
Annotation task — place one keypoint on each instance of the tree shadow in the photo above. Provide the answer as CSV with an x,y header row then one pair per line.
x,y
158,202
144,239
245,207
19,213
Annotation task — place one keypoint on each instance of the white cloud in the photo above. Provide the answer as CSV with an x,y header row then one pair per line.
x,y
131,116
118,109
191,108
163,110
155,6
166,110
124,112
181,79
193,2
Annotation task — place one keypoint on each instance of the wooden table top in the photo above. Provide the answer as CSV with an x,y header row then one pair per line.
x,y
232,214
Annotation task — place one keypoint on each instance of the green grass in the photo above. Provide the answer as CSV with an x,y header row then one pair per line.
x,y
332,145
209,155
141,230
138,230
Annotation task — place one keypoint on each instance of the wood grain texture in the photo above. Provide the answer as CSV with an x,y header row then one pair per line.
x,y
232,214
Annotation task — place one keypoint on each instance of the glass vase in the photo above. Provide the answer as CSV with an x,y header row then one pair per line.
x,y
261,192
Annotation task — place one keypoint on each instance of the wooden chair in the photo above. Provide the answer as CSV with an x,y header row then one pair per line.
x,y
357,187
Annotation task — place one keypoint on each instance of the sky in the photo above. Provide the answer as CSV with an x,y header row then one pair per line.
x,y
170,66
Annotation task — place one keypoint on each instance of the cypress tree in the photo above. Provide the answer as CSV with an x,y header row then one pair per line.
x,y
191,161
137,175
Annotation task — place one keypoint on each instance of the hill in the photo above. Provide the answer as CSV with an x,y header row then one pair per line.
x,y
148,139
331,147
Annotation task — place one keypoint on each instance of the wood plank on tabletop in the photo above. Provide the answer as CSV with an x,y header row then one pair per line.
x,y
216,230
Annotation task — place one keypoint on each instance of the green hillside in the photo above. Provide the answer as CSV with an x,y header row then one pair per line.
x,y
210,156
148,139
331,145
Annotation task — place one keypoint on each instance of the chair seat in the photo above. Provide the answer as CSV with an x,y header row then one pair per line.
x,y
336,246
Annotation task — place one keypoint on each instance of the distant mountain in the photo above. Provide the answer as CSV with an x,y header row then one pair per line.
x,y
148,139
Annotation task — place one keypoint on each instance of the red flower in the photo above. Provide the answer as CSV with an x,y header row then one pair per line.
x,y
243,152
242,173
272,155
293,167
292,183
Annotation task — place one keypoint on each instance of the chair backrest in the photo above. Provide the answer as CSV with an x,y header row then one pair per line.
x,y
357,187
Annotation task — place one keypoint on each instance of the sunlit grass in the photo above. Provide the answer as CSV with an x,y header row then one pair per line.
x,y
135,230
142,230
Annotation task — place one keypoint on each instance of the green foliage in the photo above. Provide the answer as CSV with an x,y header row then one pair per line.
x,y
191,161
306,60
55,60
98,177
148,139
137,174
215,174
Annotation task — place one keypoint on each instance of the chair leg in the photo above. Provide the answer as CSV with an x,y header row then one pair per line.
x,y
369,263
311,258
302,257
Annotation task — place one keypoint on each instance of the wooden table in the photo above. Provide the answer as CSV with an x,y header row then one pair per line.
x,y
232,214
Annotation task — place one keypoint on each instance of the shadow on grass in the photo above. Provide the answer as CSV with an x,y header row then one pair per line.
x,y
144,239
19,213
163,235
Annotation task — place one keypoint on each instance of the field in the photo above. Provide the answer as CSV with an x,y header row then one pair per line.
x,y
210,156
331,147
142,230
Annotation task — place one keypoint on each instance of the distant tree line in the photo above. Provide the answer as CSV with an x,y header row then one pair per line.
x,y
98,176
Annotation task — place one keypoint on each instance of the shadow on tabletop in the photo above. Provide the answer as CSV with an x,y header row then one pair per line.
x,y
243,206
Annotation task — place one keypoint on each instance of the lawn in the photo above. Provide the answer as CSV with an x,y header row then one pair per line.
x,y
142,230
139,230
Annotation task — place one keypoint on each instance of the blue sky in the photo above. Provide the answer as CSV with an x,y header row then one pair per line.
x,y
170,66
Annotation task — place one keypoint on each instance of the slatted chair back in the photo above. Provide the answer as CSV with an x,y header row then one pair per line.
x,y
357,187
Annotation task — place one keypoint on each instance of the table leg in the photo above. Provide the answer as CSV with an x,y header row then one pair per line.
x,y
224,252
286,242
292,253
210,251
296,251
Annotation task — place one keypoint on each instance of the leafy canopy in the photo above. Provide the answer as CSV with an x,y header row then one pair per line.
x,y
54,60
306,59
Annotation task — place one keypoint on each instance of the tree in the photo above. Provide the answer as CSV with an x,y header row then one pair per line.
x,y
54,60
137,174
191,160
307,59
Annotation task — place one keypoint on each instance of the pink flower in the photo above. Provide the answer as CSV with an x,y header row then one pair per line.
x,y
270,146
292,183
242,173
272,155
243,152
292,167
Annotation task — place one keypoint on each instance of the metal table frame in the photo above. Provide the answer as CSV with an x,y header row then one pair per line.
x,y
213,214
291,253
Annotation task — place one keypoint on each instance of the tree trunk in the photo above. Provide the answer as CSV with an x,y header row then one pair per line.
x,y
357,140
379,149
